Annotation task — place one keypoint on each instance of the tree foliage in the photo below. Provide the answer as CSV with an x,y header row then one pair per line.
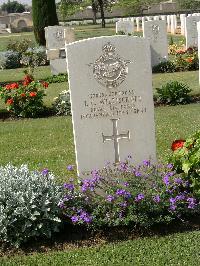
x,y
44,15
136,6
189,4
13,7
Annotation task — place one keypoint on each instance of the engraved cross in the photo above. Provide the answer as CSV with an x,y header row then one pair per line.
x,y
115,137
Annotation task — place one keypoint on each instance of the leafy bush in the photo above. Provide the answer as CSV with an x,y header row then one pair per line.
x,y
20,46
187,60
62,105
164,67
26,99
174,93
34,57
28,204
57,78
186,160
127,195
9,59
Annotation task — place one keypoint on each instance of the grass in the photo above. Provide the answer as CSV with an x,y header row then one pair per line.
x,y
48,142
81,32
177,249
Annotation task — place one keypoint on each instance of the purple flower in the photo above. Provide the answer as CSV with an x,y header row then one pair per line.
x,y
123,192
45,172
69,186
170,166
85,217
137,173
139,197
172,200
146,163
110,198
166,180
180,197
156,198
191,203
126,184
172,207
178,180
123,204
123,167
74,219
70,168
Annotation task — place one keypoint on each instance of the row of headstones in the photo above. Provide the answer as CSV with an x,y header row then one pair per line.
x,y
154,31
172,21
157,26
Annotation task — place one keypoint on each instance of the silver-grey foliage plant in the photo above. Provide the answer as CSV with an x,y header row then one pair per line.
x,y
28,204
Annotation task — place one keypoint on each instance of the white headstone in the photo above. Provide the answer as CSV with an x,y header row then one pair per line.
x,y
112,100
127,27
168,23
55,43
138,24
173,24
182,19
191,31
156,33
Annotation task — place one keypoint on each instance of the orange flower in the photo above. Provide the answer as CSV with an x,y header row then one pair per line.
x,y
23,94
8,87
177,144
10,101
189,59
32,94
45,84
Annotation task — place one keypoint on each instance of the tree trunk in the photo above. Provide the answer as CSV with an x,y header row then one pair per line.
x,y
44,15
103,23
94,10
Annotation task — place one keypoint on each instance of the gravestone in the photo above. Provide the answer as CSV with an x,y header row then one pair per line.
x,y
191,31
127,27
112,100
156,33
55,44
182,19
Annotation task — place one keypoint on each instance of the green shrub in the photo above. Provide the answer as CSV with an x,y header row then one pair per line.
x,y
164,67
62,105
173,93
19,46
186,160
187,60
9,60
57,78
28,204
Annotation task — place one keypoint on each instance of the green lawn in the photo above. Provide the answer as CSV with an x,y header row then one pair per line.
x,y
81,32
178,249
48,142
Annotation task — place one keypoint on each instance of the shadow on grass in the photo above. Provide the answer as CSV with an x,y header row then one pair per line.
x,y
72,237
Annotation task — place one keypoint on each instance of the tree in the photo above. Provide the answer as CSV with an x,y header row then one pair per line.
x,y
13,7
44,15
137,6
189,4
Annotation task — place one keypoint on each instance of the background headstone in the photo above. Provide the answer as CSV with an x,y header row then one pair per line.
x,y
55,44
191,31
126,27
156,33
112,100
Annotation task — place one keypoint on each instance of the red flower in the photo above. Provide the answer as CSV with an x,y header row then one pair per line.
x,y
177,144
10,101
45,84
189,59
27,80
14,86
23,94
32,94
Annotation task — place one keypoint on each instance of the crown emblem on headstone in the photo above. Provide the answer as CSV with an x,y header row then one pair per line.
x,y
109,69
